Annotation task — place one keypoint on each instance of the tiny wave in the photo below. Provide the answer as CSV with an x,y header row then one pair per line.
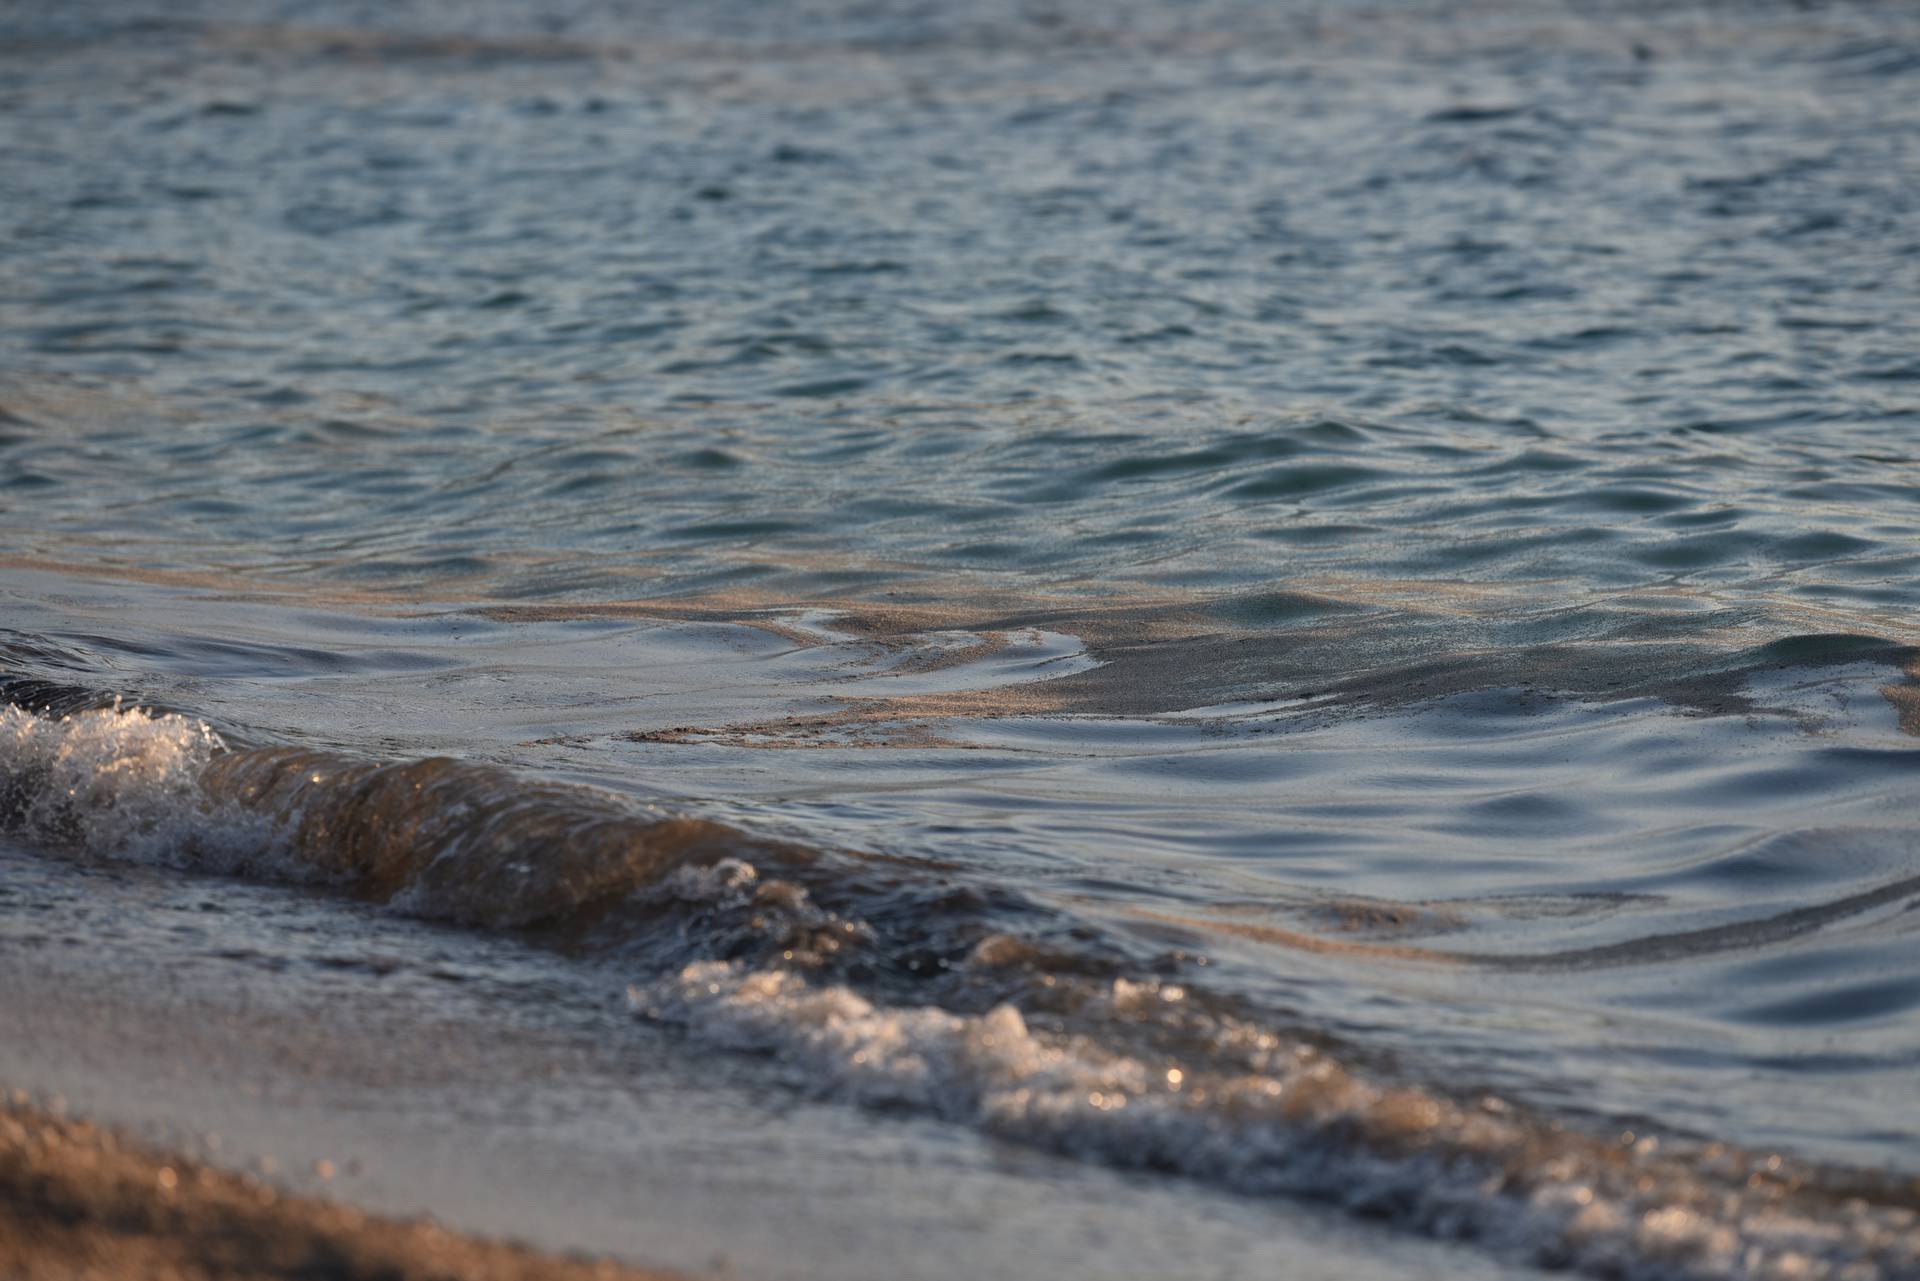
x,y
437,838
900,985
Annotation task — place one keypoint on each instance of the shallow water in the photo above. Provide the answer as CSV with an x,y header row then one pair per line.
x,y
1313,599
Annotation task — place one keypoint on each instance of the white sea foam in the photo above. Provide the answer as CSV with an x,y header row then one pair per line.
x,y
116,782
1302,1124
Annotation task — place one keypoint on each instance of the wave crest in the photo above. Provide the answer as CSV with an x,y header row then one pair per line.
x,y
115,782
436,838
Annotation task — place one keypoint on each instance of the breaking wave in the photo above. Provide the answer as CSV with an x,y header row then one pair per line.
x,y
436,838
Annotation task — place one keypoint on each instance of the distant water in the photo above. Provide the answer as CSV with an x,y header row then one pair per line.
x,y
1312,598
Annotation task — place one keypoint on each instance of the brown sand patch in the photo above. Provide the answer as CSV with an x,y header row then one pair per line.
x,y
379,48
1904,697
1381,916
1303,942
843,730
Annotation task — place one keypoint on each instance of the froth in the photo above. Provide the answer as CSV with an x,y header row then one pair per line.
x,y
1303,1124
116,782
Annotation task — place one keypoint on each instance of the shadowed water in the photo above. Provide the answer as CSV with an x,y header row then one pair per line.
x,y
917,530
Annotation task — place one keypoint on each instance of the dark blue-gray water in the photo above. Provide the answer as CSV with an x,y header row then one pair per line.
x,y
1311,598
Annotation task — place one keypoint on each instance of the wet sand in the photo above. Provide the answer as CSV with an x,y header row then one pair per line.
x,y
79,1200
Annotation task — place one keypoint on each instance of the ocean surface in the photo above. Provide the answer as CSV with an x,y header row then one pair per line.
x,y
1296,609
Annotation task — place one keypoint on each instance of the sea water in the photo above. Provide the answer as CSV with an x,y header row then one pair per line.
x,y
1308,603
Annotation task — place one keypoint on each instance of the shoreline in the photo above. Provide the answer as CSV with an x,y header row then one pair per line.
x,y
508,1093
78,1199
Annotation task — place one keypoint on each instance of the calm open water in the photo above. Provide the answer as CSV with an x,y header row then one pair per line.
x,y
1311,599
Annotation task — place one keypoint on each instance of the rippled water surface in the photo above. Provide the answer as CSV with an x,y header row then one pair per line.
x,y
1314,599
